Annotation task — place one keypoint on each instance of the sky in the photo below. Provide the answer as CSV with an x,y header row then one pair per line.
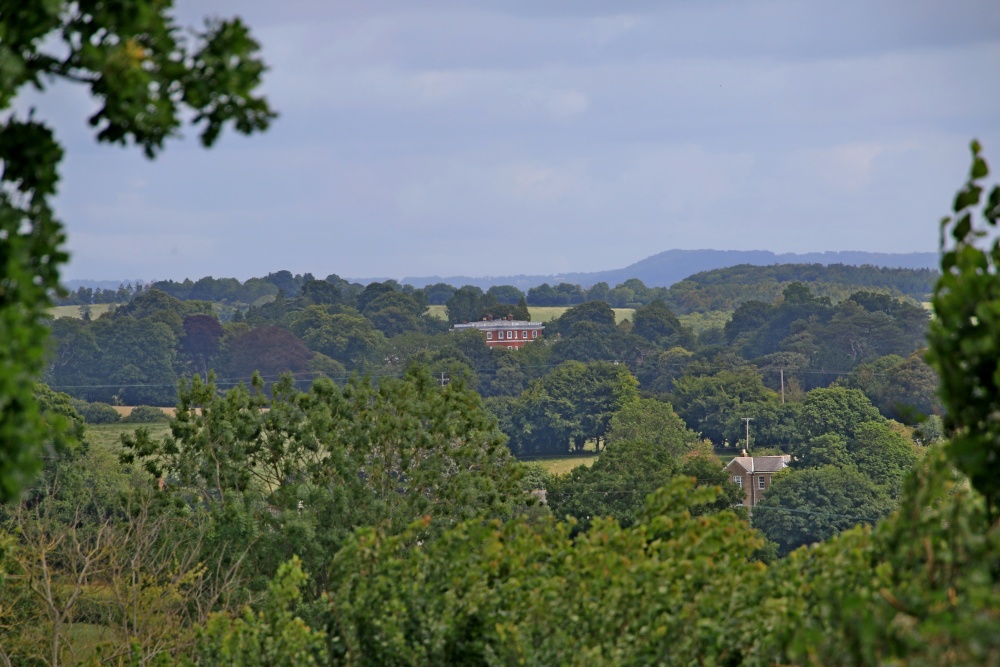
x,y
499,137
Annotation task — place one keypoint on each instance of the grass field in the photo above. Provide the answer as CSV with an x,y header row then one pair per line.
x,y
108,436
560,465
538,313
96,311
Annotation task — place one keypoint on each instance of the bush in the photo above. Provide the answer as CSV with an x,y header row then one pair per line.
x,y
146,414
96,413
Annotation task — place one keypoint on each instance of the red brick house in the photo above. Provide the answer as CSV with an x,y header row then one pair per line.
x,y
512,334
753,474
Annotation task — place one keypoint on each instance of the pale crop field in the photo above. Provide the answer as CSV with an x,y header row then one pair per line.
x,y
96,310
126,410
538,313
560,465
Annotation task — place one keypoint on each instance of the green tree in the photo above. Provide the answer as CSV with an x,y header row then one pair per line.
x,y
350,339
812,505
708,403
72,353
598,292
964,343
144,79
652,421
836,410
596,313
615,485
298,478
822,450
659,592
274,635
659,326
909,393
774,424
465,304
136,364
572,404
438,293
506,294
158,306
321,293
883,454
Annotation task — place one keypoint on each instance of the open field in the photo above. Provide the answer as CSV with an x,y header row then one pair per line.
x,y
96,311
126,410
538,313
560,465
108,436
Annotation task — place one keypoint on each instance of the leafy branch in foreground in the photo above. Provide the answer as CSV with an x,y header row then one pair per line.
x,y
965,335
145,77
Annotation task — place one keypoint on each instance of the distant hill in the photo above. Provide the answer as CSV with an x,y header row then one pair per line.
x,y
666,268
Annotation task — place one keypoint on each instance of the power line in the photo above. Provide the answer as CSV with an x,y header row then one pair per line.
x,y
398,371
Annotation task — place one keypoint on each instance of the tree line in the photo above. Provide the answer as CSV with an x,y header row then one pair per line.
x,y
384,520
719,289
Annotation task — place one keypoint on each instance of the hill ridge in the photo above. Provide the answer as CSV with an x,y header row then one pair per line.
x,y
670,266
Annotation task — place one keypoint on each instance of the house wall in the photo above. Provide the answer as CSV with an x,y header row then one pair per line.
x,y
492,339
750,497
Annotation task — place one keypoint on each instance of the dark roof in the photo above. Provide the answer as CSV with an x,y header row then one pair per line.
x,y
762,463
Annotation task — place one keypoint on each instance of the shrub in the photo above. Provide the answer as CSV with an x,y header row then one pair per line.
x,y
146,414
96,413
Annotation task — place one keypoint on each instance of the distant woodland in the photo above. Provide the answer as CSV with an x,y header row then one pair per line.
x,y
344,479
806,326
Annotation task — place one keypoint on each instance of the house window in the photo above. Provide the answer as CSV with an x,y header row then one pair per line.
x,y
524,334
510,334
489,335
738,481
534,333
760,482
510,347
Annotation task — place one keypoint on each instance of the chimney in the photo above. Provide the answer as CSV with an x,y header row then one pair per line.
x,y
744,453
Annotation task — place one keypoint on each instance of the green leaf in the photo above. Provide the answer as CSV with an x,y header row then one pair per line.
x,y
962,228
992,210
979,169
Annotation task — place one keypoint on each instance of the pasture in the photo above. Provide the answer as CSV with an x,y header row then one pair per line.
x,y
560,465
108,436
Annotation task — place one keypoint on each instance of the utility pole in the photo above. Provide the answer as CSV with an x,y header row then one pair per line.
x,y
782,386
748,420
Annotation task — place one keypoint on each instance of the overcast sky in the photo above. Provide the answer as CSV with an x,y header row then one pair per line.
x,y
486,137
